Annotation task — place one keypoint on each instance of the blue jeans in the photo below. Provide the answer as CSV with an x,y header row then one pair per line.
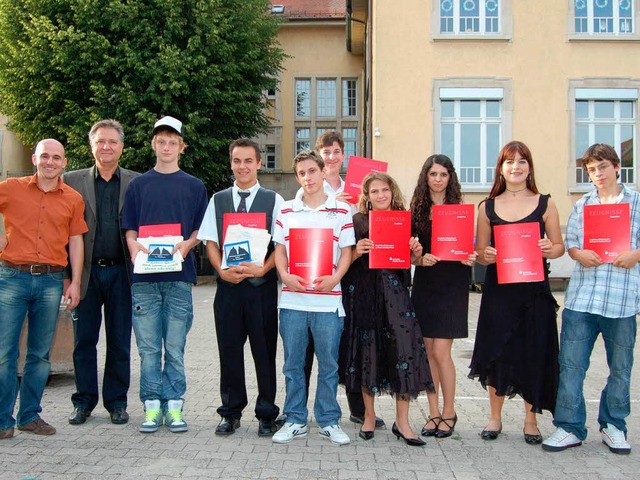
x,y
326,329
108,288
578,335
38,296
162,314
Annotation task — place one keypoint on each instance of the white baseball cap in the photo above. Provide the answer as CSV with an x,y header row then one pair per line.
x,y
168,122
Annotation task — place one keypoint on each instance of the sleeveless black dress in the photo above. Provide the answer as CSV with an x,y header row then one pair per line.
x,y
440,295
516,346
382,348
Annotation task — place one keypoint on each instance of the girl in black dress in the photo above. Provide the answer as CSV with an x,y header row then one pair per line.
x,y
440,292
385,353
516,347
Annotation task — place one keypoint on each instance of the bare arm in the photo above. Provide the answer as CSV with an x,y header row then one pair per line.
x,y
133,245
76,259
552,246
486,253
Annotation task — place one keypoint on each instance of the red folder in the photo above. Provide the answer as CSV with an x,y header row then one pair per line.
x,y
390,231
358,168
519,257
252,220
160,230
452,231
311,252
607,230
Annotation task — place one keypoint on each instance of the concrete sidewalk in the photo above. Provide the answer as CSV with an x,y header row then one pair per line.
x,y
100,450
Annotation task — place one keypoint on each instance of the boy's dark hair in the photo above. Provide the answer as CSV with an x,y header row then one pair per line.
x,y
307,155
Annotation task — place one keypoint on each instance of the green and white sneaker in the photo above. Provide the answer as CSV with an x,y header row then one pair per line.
x,y
173,417
153,416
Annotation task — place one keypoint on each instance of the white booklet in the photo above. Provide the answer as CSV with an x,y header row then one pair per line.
x,y
159,259
244,244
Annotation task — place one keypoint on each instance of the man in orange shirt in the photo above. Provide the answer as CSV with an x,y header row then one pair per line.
x,y
42,216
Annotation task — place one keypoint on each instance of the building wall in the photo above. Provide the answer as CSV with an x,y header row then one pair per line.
x,y
15,159
316,49
538,61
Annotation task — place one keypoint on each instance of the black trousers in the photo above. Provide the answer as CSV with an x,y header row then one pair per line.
x,y
109,288
245,311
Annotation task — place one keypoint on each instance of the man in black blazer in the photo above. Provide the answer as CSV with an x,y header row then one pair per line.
x,y
105,279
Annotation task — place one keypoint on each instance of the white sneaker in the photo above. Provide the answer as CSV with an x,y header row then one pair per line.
x,y
335,434
560,440
173,417
153,416
615,439
289,431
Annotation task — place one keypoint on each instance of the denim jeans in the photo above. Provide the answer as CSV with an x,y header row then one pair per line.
x,y
38,296
162,314
578,335
326,329
108,288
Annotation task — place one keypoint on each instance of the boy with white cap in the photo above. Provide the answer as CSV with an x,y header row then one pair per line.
x,y
162,303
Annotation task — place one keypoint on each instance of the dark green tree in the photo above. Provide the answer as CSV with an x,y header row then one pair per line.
x,y
65,64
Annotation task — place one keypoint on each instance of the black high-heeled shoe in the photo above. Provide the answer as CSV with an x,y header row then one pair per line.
x,y
366,434
447,433
412,442
430,432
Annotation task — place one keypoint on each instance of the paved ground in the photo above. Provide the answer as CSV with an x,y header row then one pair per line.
x,y
98,449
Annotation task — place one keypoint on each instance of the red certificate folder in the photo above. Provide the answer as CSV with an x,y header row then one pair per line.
x,y
607,230
358,168
252,220
519,258
161,230
452,231
311,252
390,231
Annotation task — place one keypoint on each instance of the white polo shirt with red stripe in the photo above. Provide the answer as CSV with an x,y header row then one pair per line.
x,y
332,214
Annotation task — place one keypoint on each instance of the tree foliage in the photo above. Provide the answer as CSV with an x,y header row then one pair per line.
x,y
65,64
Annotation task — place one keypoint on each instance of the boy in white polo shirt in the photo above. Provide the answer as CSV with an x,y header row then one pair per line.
x,y
313,306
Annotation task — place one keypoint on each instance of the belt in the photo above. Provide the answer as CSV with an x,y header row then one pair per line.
x,y
106,262
33,269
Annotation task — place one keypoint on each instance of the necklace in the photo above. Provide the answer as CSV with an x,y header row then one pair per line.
x,y
513,192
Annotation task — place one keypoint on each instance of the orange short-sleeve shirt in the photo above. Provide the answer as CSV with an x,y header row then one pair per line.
x,y
38,223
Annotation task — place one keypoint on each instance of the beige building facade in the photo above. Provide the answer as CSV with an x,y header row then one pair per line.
x,y
464,77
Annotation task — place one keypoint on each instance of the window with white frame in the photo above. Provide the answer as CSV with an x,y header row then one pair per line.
x,y
326,103
606,115
303,98
303,139
270,156
471,124
479,19
604,17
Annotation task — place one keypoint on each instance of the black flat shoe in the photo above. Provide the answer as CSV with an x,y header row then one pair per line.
x,y
412,442
430,432
535,439
490,434
366,435
227,426
266,428
79,416
360,419
449,422
119,416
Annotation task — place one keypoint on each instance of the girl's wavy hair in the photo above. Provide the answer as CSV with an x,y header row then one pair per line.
x,y
397,202
421,202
